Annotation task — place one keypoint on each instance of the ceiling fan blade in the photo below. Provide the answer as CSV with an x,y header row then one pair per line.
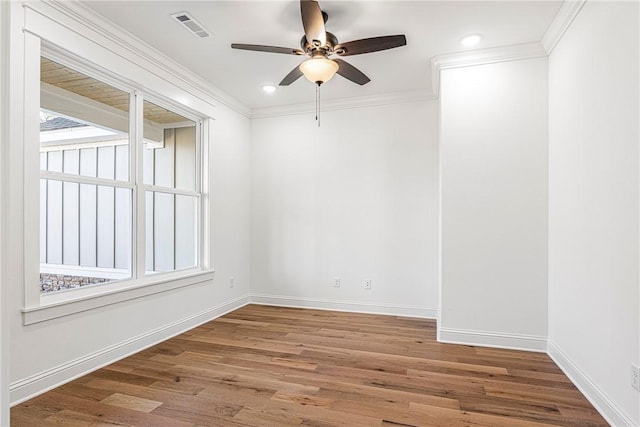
x,y
313,22
350,72
294,75
271,49
373,44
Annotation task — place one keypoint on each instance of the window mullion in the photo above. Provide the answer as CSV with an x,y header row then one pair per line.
x,y
137,124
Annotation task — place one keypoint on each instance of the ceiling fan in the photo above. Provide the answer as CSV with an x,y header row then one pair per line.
x,y
320,45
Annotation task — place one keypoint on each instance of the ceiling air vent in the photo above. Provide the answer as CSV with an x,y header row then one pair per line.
x,y
191,24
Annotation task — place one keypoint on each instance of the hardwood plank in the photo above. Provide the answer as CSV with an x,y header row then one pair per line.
x,y
277,413
443,416
81,390
302,399
529,411
275,366
131,402
293,364
78,419
31,415
198,406
355,394
106,413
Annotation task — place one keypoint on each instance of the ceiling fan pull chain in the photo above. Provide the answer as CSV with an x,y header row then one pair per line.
x,y
318,104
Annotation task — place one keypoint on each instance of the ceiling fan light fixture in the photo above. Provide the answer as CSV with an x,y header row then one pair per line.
x,y
319,69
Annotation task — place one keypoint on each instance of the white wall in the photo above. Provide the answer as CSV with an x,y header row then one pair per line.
x,y
231,204
593,205
47,353
355,199
493,160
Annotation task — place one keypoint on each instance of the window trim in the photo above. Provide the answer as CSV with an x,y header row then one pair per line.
x,y
150,285
42,307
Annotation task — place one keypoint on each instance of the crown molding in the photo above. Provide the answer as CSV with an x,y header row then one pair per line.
x,y
565,16
482,57
138,50
344,104
561,22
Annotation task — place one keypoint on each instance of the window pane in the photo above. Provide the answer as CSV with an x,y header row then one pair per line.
x,y
85,234
171,232
186,220
170,149
85,229
84,124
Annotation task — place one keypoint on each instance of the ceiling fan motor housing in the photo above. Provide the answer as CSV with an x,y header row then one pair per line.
x,y
310,47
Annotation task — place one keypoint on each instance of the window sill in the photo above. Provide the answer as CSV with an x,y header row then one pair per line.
x,y
145,287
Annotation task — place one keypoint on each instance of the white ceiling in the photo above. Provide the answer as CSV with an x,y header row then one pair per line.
x,y
432,28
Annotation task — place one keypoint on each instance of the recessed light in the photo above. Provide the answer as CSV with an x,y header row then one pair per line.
x,y
471,40
269,88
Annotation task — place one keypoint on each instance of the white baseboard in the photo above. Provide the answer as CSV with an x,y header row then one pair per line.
x,y
39,383
357,307
607,408
493,339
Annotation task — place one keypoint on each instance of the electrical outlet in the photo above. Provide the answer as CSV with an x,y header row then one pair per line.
x,y
336,282
635,376
367,284
232,282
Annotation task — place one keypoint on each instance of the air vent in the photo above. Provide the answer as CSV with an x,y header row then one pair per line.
x,y
194,27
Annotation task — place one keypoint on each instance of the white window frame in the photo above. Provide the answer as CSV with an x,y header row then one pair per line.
x,y
41,307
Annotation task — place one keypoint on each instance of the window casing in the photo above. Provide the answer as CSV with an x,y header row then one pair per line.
x,y
145,194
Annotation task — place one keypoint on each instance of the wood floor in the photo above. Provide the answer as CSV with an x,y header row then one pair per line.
x,y
268,366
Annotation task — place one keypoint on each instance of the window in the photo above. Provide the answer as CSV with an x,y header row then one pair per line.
x,y
170,178
113,207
